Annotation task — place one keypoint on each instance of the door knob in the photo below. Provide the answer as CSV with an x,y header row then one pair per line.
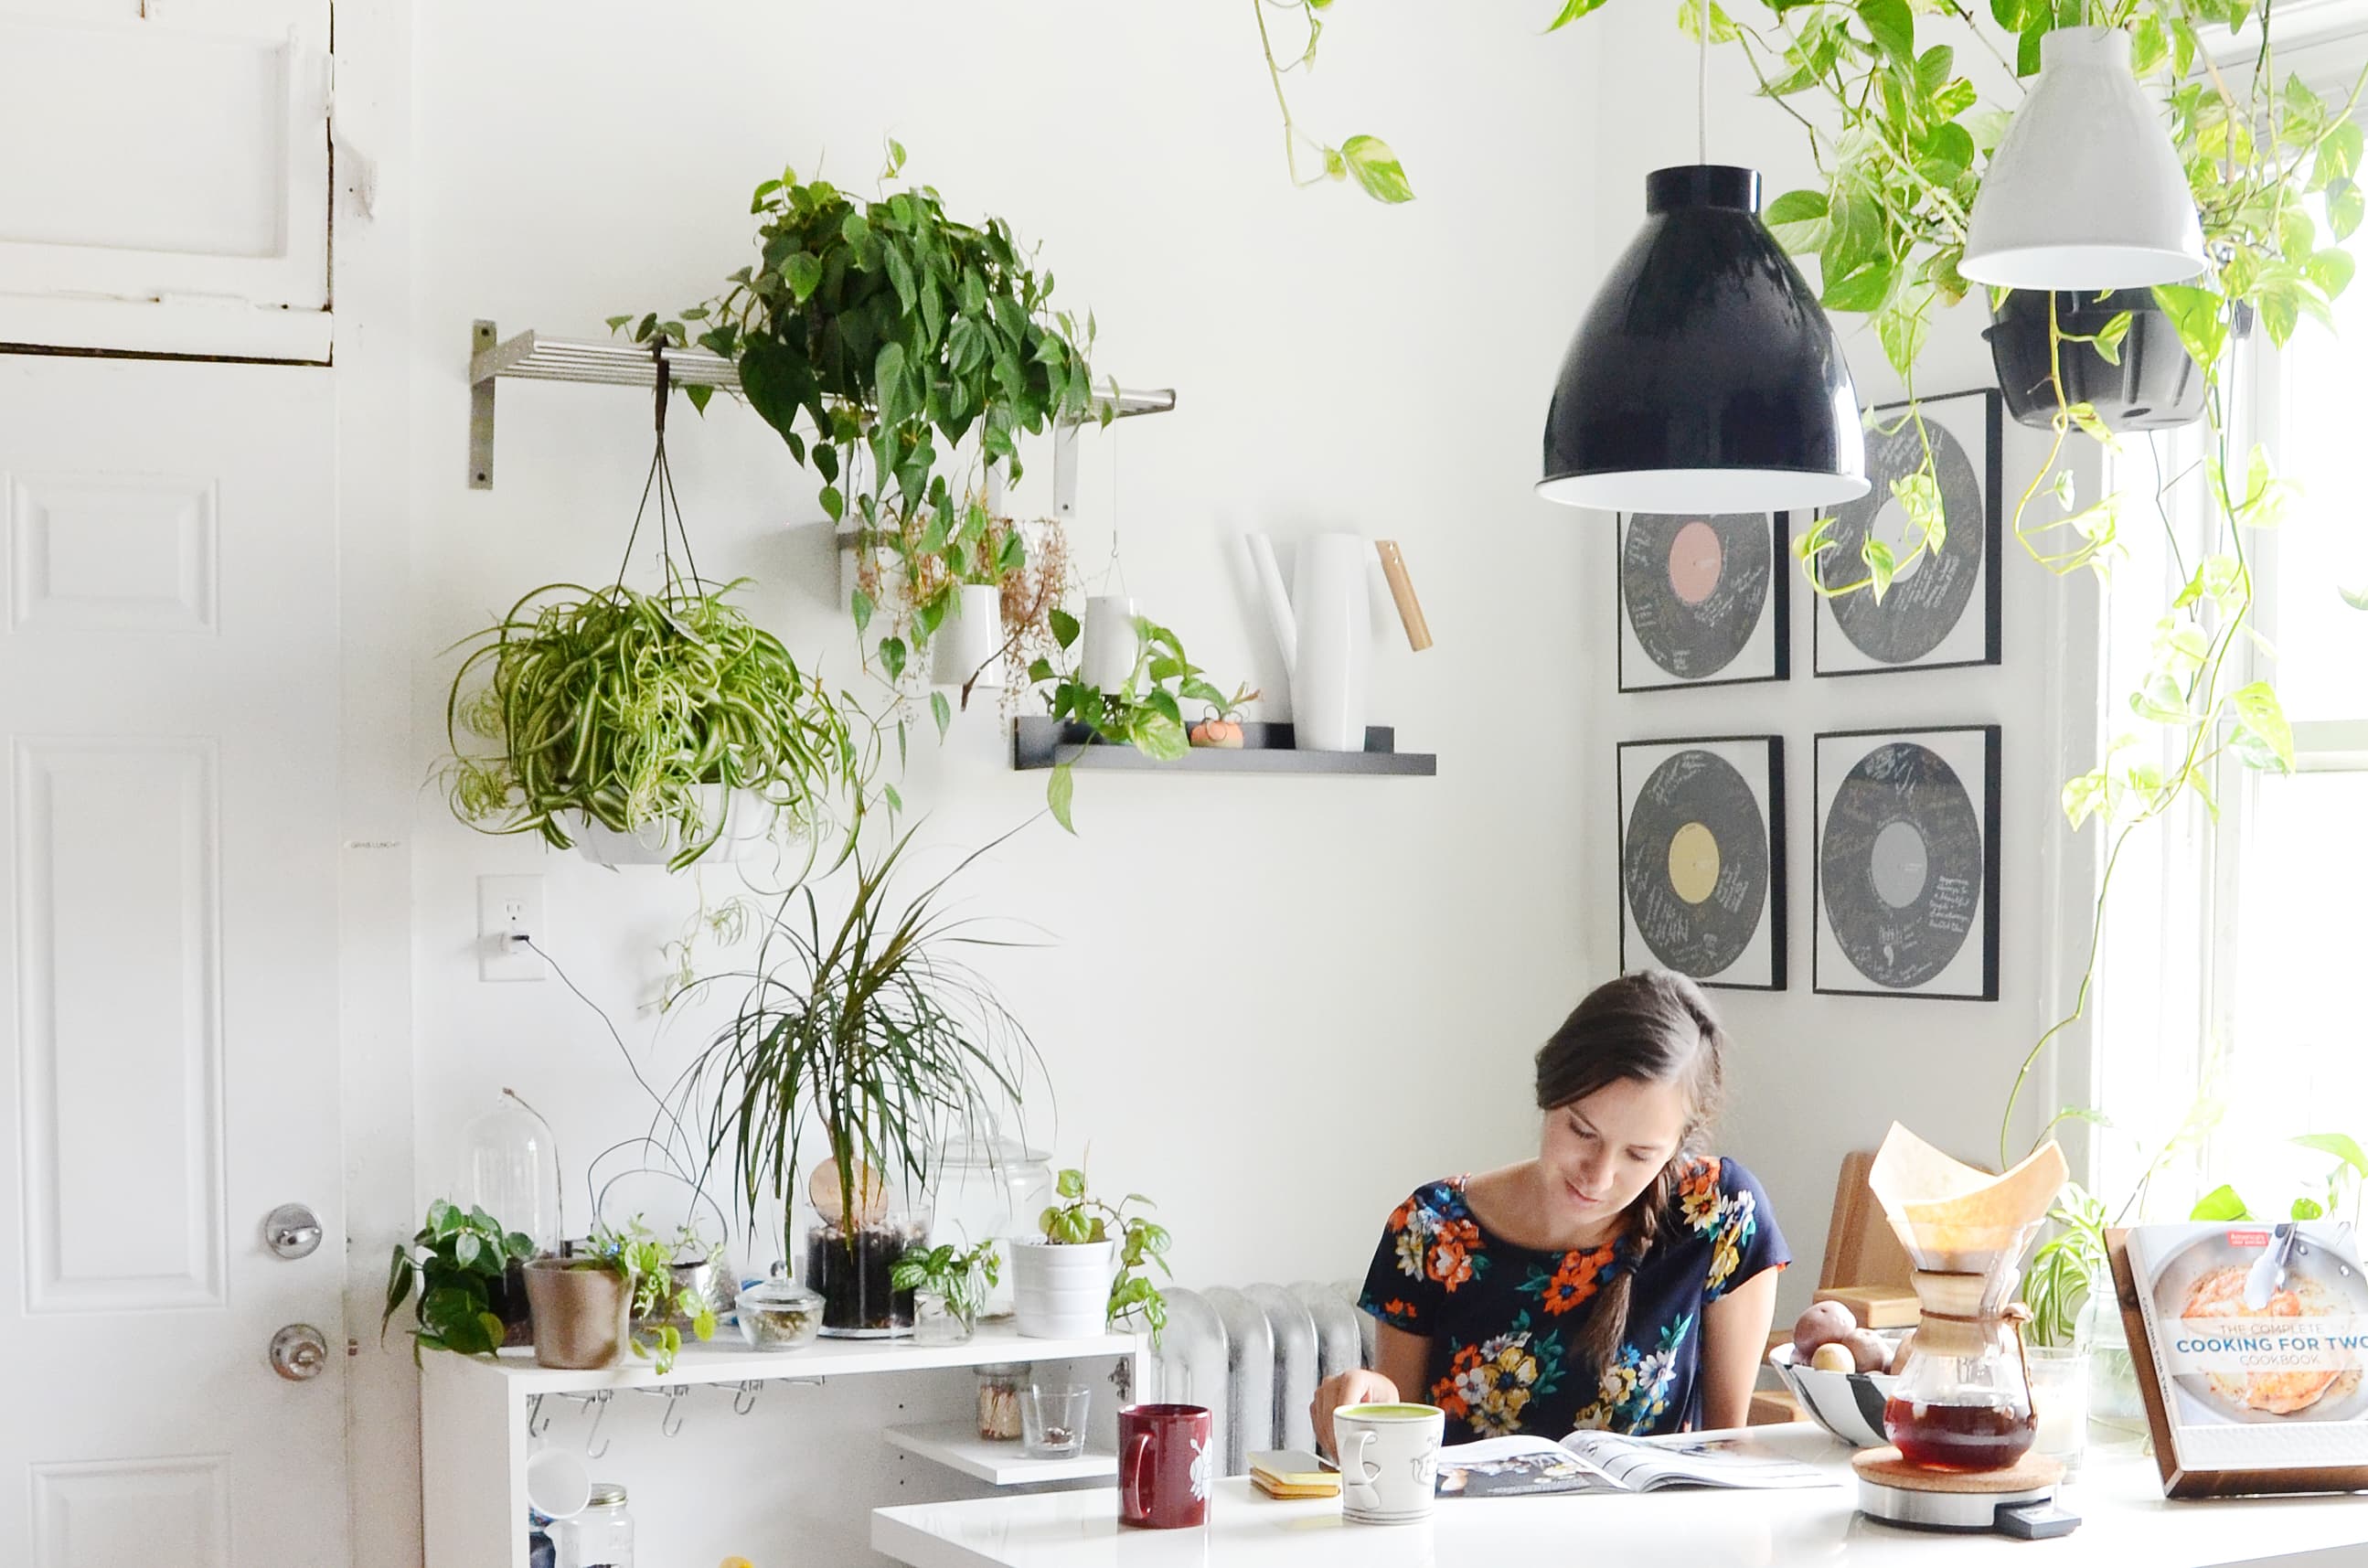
x,y
293,1231
298,1352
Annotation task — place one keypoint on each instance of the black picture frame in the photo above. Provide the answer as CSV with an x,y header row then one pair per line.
x,y
1772,627
1831,652
1760,760
1840,975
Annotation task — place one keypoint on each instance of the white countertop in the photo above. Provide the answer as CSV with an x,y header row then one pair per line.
x,y
2126,1523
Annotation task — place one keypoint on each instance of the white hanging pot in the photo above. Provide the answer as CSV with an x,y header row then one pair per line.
x,y
1111,644
1061,1291
968,645
2085,190
748,820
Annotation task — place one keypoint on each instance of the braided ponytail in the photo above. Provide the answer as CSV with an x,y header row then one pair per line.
x,y
1652,1027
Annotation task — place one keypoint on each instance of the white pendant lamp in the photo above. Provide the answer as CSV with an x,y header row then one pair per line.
x,y
2085,190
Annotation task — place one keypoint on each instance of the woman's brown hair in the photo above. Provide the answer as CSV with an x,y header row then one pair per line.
x,y
1652,1027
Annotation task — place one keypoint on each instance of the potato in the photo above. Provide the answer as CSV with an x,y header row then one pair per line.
x,y
1833,1357
1867,1349
1821,1324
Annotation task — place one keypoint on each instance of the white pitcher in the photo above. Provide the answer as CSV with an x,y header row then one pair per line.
x,y
1326,633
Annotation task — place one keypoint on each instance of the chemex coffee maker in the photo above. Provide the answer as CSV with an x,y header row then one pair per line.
x,y
1960,1418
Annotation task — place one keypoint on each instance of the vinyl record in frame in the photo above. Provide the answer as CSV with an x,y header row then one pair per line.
x,y
1945,609
1702,600
1906,872
1701,858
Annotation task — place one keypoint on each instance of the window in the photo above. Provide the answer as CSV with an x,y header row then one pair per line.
x,y
2238,958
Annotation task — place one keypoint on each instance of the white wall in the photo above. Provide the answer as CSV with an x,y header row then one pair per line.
x,y
1815,1077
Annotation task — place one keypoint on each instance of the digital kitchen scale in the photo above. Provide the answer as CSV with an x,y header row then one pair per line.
x,y
2018,1501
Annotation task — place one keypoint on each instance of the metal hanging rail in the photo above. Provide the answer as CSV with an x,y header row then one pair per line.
x,y
531,357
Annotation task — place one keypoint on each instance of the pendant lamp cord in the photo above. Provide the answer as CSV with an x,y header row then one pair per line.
x,y
1702,87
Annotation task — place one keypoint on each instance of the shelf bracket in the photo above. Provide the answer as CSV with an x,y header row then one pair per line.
x,y
480,410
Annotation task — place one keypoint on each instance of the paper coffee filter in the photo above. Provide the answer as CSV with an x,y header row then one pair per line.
x,y
1952,1216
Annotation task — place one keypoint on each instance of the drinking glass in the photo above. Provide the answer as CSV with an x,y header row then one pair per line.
x,y
1052,1420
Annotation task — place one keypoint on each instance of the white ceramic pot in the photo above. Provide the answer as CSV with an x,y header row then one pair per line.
x,y
1108,656
748,824
1062,1290
969,645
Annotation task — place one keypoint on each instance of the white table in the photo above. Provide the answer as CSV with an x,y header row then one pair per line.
x,y
2126,1523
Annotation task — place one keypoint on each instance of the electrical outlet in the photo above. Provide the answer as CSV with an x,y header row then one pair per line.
x,y
508,908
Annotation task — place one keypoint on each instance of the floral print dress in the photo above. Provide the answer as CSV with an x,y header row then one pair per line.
x,y
1505,1322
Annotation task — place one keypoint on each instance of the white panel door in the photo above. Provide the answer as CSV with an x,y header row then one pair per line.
x,y
168,679
164,163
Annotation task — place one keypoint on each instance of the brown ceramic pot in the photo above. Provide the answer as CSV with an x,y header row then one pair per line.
x,y
580,1313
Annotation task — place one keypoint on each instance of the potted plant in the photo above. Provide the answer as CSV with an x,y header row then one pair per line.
x,y
875,335
620,1291
949,1286
1222,728
2120,353
870,1032
1145,712
466,1273
1088,1268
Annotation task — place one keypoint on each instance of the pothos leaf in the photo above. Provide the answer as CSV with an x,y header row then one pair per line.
x,y
1376,168
1060,790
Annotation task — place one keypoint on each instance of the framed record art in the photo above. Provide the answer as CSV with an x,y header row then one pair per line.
x,y
1704,600
1701,859
1943,609
1908,863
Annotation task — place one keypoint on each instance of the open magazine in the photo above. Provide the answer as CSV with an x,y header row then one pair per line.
x,y
1602,1462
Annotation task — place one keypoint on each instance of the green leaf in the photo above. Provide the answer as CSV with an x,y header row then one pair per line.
x,y
1376,167
942,711
834,505
802,272
2345,204
1070,1184
2260,716
1881,566
863,606
1863,288
1063,625
1892,27
2307,1209
1159,737
854,229
2092,423
467,1247
2342,1145
2356,597
2331,269
2220,1205
1572,10
1060,790
2196,313
1797,219
2109,338
892,655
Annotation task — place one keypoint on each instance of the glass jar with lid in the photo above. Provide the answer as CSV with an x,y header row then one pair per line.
x,y
990,1187
600,1537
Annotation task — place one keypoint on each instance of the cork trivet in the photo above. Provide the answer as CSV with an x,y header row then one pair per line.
x,y
2031,1473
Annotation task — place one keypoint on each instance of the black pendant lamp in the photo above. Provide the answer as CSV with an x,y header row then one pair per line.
x,y
1705,378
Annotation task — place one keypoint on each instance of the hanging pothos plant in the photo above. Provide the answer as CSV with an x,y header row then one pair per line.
x,y
876,336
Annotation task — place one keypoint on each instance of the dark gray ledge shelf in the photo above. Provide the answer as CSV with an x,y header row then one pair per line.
x,y
1038,742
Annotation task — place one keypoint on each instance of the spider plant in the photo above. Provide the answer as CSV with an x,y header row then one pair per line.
x,y
628,709
870,1030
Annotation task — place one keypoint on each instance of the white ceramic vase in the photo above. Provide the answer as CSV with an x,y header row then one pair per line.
x,y
1061,1291
1108,659
968,645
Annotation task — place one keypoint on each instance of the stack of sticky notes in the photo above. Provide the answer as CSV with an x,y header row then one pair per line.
x,y
1292,1472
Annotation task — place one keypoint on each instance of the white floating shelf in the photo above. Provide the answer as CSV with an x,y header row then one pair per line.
x,y
727,1360
957,1446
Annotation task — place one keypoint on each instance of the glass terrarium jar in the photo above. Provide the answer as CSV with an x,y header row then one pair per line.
x,y
991,1187
850,1267
511,1169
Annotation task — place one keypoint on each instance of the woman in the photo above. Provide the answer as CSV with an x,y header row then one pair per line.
x,y
1624,1280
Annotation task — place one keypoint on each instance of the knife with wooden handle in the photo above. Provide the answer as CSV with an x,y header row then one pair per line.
x,y
1417,629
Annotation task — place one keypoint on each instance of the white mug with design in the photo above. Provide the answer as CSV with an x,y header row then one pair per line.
x,y
1389,1462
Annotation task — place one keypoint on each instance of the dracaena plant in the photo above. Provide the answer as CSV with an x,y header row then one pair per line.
x,y
876,334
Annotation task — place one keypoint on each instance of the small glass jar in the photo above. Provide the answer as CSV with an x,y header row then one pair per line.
x,y
600,1537
2059,1400
1000,1385
935,1322
779,1315
850,1270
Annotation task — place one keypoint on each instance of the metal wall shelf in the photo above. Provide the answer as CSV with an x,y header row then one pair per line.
x,y
1038,742
610,361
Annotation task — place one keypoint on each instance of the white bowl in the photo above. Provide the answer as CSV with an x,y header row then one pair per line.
x,y
1848,1404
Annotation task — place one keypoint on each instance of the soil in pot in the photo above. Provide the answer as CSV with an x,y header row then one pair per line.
x,y
851,1275
2157,386
507,1297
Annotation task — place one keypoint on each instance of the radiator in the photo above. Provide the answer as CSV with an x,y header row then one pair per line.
x,y
1254,1355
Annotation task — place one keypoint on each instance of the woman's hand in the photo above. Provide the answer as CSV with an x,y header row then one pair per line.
x,y
1362,1386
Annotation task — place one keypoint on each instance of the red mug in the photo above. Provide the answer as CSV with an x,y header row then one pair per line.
x,y
1167,1460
